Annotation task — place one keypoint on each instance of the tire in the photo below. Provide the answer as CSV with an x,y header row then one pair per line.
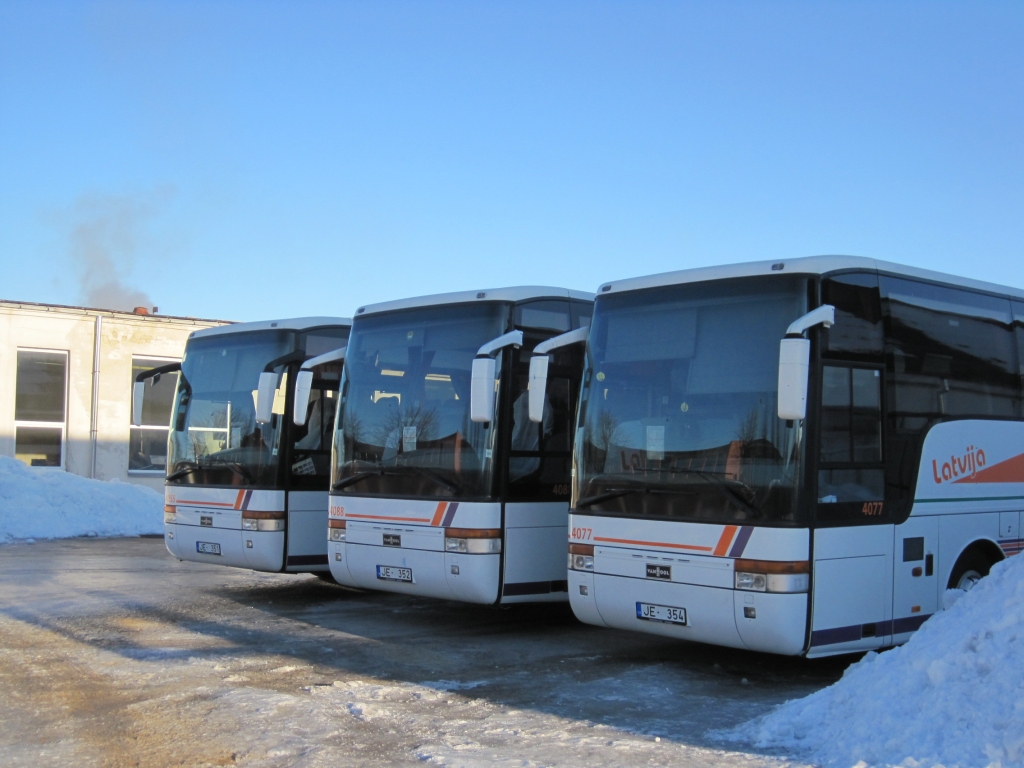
x,y
325,576
971,568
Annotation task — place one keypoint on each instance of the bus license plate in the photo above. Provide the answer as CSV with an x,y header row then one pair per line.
x,y
390,573
662,613
207,548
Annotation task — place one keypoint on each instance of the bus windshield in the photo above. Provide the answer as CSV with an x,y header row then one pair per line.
x,y
404,426
214,438
679,415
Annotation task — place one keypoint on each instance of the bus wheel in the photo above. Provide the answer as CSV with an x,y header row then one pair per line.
x,y
325,576
971,568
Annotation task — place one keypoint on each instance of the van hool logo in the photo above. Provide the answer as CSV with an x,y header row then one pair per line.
x,y
959,467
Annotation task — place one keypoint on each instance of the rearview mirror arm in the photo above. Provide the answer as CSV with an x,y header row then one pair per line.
x,y
539,368
304,382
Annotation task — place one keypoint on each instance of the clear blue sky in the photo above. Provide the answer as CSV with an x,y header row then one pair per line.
x,y
245,160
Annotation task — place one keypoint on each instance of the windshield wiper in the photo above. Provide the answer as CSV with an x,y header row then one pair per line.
x,y
357,477
193,466
186,470
234,466
722,487
615,493
394,472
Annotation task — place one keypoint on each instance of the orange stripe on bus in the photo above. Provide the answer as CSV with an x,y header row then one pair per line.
x,y
723,543
439,512
238,501
654,544
387,517
205,503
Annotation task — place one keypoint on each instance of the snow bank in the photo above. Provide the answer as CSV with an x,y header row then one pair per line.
x,y
38,503
952,696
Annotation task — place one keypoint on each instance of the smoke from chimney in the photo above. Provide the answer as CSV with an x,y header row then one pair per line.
x,y
105,236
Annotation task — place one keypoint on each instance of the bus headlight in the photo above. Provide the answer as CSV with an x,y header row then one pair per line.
x,y
581,557
472,541
755,582
170,514
772,576
263,521
337,529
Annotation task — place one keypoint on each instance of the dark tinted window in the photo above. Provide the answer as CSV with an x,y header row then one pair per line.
x,y
952,352
582,312
1018,324
850,459
311,442
949,354
858,328
322,340
540,454
550,315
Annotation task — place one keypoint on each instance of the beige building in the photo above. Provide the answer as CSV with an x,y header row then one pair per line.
x,y
66,377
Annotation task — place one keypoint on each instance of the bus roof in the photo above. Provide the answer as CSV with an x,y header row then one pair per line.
x,y
287,324
815,265
517,293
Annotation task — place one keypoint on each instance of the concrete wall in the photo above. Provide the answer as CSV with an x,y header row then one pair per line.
x,y
72,330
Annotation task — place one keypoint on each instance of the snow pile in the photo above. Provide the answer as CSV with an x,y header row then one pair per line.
x,y
952,696
37,503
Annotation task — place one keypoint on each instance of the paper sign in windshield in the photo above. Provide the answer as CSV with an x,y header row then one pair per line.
x,y
656,442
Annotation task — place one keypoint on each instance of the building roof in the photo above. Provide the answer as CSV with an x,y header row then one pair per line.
x,y
72,309
286,324
814,265
514,294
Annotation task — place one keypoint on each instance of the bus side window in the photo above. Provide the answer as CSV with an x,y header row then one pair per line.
x,y
582,312
858,332
851,472
1018,325
950,354
953,353
539,456
547,314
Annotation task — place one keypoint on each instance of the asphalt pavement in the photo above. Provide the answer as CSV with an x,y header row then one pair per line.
x,y
114,653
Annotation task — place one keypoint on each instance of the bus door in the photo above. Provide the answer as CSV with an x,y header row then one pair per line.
x,y
915,591
309,469
853,540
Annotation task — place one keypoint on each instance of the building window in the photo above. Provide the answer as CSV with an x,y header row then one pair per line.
x,y
147,445
39,407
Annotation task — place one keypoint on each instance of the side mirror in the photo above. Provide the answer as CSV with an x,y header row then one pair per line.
x,y
481,391
138,394
303,385
538,386
265,397
794,363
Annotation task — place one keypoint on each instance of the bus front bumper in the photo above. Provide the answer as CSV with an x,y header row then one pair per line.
x,y
471,578
258,550
756,621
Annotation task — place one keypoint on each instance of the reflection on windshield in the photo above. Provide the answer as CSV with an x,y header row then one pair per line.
x,y
215,439
405,428
679,418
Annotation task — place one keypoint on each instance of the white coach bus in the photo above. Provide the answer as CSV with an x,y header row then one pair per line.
x,y
246,486
442,486
796,457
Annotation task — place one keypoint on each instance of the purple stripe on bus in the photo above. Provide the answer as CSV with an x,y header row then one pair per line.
x,y
859,631
741,541
245,499
450,514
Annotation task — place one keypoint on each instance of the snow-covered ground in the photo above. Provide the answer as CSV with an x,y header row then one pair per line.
x,y
952,696
38,503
